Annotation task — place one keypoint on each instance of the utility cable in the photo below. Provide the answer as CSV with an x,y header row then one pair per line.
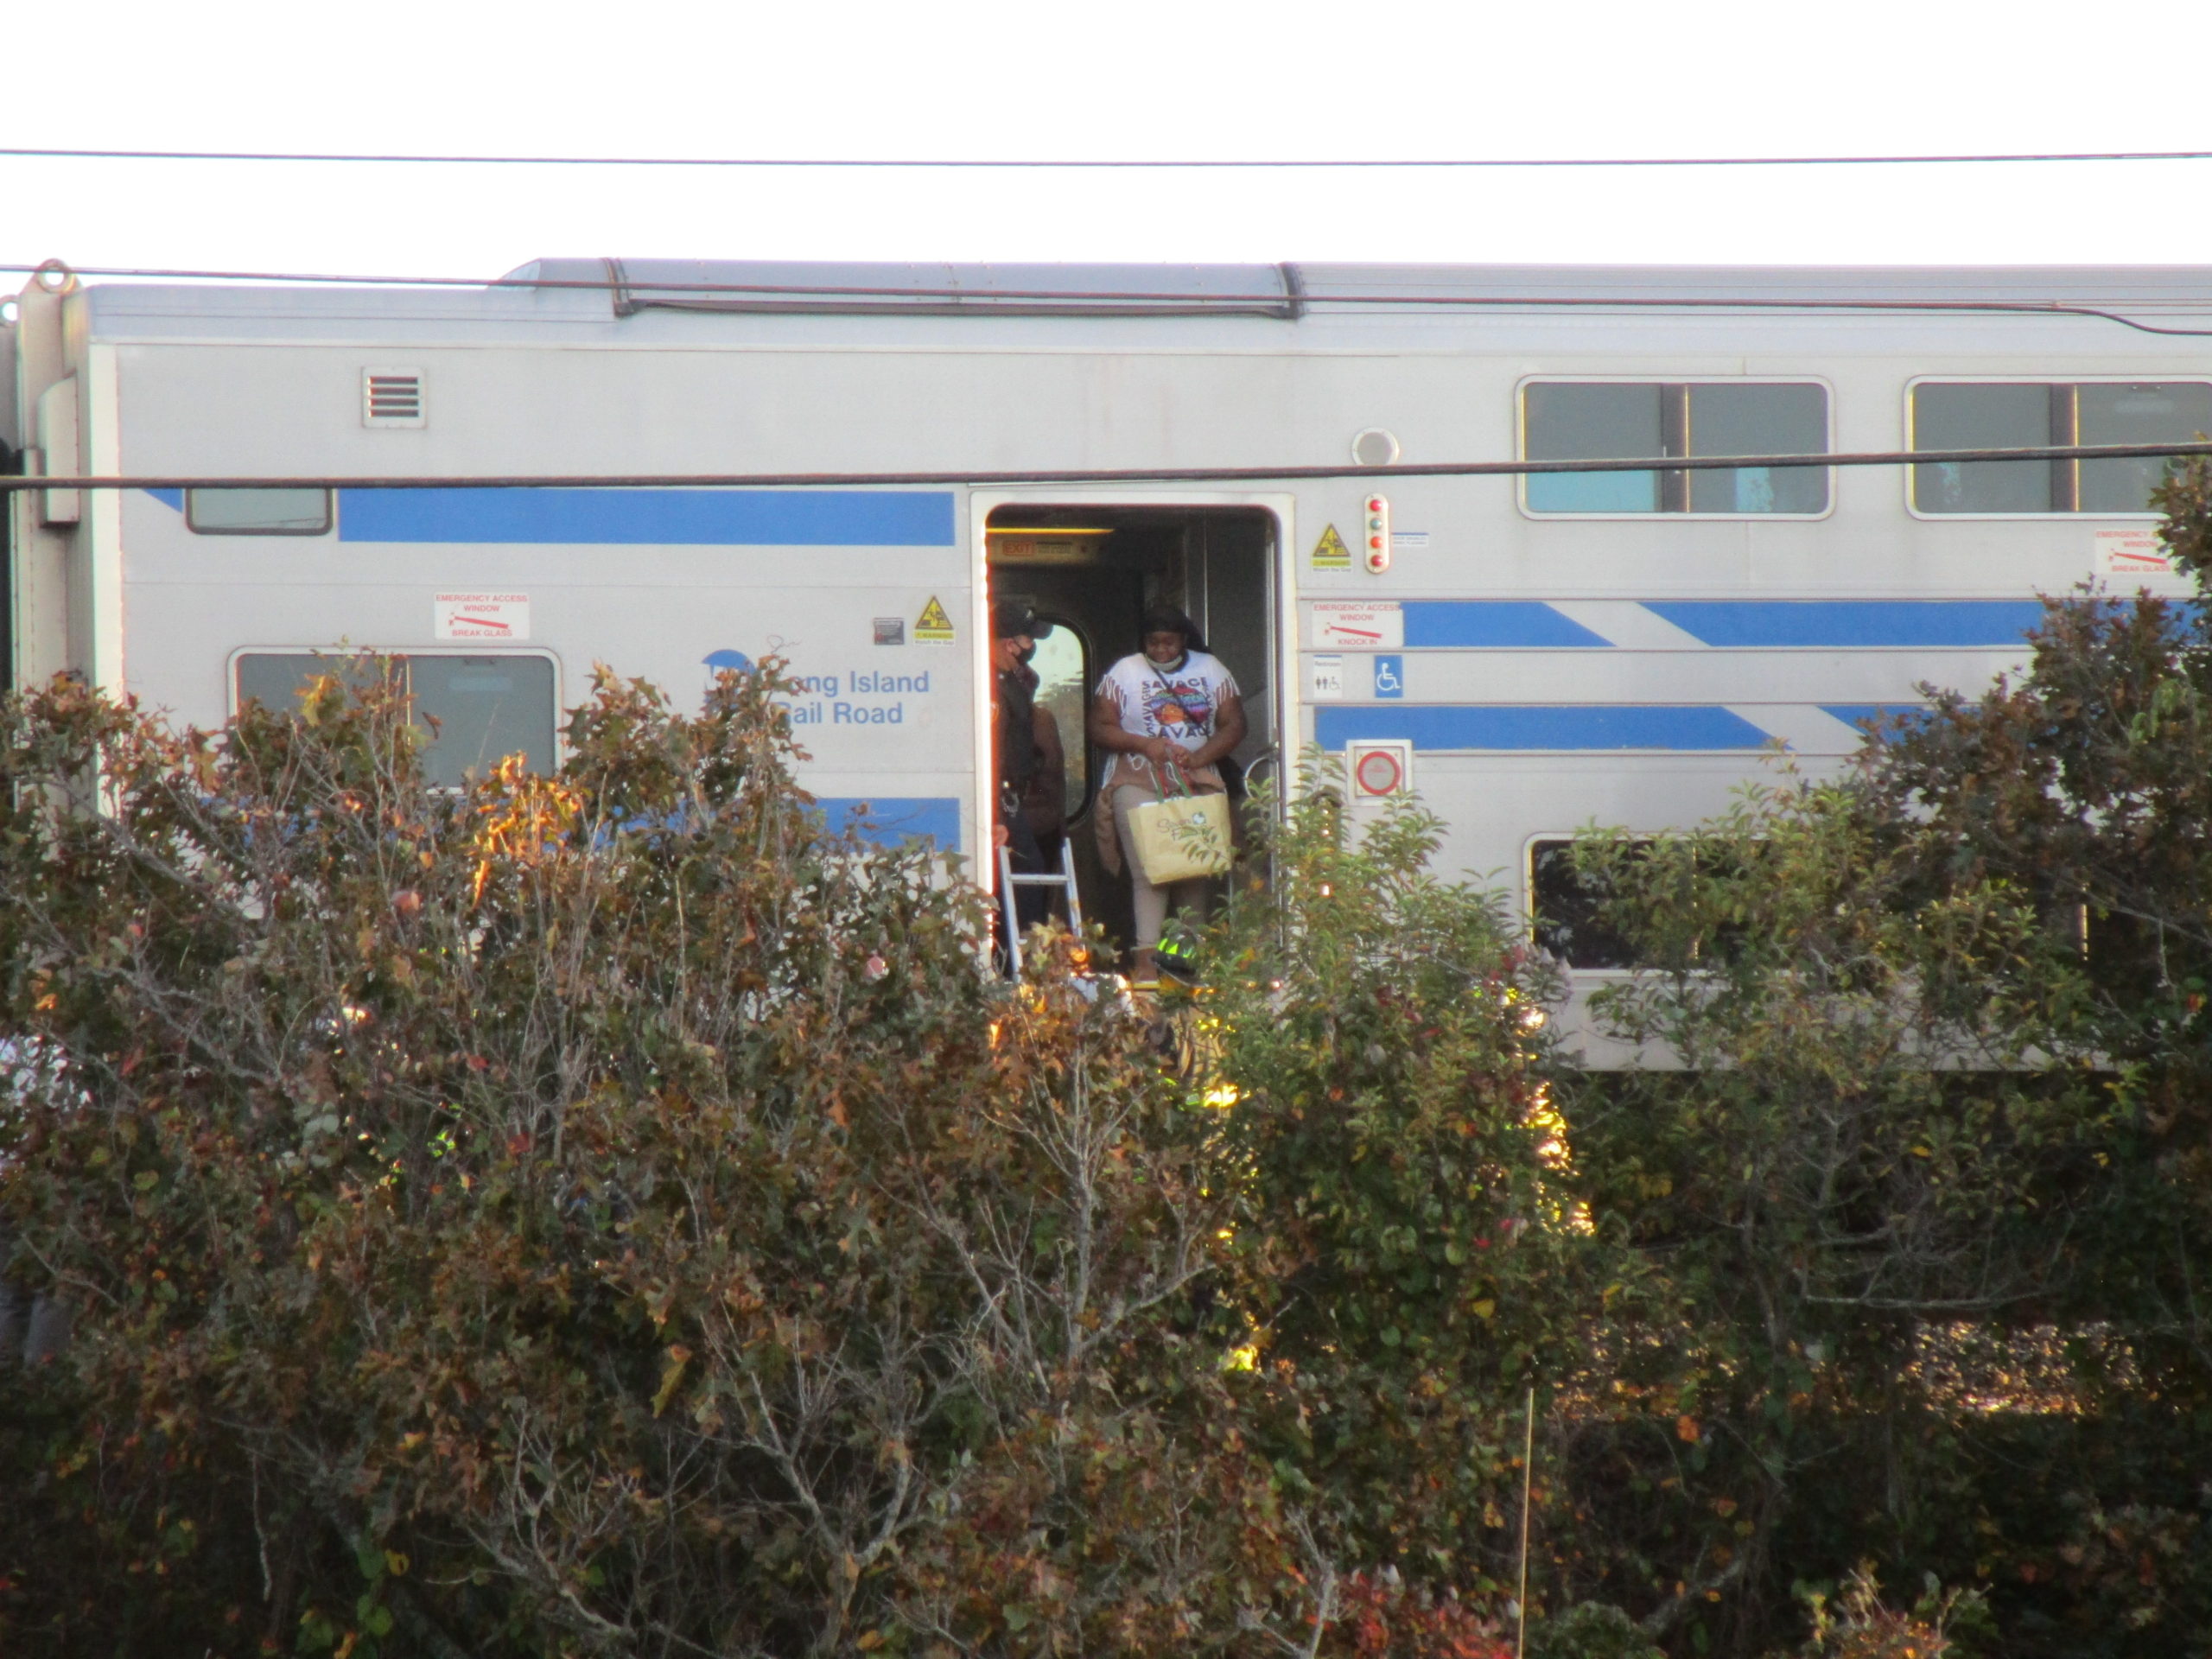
x,y
985,478
1113,164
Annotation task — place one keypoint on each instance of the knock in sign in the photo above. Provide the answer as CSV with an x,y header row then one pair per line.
x,y
481,616
1348,625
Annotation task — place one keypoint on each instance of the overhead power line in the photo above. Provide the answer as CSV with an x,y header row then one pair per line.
x,y
1226,303
1124,164
1112,475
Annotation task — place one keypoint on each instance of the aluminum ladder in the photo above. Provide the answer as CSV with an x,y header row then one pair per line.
x,y
1009,882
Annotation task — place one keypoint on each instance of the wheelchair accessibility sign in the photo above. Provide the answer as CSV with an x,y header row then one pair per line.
x,y
1390,676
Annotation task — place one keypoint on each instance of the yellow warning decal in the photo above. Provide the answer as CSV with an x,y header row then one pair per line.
x,y
933,626
1330,553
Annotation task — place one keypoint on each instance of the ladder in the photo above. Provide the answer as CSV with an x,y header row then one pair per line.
x,y
1064,879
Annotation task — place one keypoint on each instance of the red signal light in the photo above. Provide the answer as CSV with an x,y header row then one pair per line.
x,y
1379,534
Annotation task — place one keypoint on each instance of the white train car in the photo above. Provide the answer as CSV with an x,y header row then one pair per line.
x,y
1540,652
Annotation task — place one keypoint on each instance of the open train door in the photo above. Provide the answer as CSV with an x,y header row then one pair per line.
x,y
1091,567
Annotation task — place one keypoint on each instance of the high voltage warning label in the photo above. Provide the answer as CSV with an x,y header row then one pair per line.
x,y
1330,553
933,626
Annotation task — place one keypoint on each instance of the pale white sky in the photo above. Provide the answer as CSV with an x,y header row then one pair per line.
x,y
1138,78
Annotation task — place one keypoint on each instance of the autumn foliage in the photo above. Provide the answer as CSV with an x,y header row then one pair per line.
x,y
609,1213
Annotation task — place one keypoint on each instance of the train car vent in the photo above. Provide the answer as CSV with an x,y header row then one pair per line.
x,y
393,398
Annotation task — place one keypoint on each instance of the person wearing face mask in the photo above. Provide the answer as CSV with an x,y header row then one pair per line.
x,y
1168,715
1020,756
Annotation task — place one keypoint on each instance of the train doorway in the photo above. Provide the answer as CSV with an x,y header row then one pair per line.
x,y
1092,570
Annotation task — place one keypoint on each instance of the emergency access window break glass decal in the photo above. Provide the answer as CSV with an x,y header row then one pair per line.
x,y
2025,415
257,512
1581,420
486,707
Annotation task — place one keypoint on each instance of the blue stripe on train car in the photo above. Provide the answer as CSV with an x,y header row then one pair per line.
x,y
1493,623
1521,725
1847,622
1864,714
650,517
892,819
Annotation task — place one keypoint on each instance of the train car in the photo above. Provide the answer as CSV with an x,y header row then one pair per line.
x,y
1530,654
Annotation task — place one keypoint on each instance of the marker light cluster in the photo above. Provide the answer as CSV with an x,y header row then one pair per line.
x,y
1377,518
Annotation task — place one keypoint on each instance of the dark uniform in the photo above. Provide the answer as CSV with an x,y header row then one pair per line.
x,y
1017,760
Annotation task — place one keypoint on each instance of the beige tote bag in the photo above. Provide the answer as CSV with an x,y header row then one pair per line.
x,y
1180,836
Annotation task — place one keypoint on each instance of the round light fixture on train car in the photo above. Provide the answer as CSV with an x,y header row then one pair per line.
x,y
1373,447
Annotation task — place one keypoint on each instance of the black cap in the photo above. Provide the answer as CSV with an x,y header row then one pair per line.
x,y
1012,616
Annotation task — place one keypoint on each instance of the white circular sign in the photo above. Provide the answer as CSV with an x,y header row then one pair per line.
x,y
1377,773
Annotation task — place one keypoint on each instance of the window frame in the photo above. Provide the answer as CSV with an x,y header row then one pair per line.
x,y
1531,846
231,702
329,517
1540,515
1911,470
1089,687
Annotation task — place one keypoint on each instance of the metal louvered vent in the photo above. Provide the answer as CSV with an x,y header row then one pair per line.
x,y
393,398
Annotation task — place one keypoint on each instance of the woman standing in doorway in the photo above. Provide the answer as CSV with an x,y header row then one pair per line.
x,y
1168,715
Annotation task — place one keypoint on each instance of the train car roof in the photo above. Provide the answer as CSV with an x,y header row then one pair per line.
x,y
592,295
1286,289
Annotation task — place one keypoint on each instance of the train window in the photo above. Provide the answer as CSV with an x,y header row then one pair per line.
x,y
2000,416
278,679
1567,909
1758,420
257,512
1580,420
2019,415
1564,909
1061,665
485,708
2169,411
1576,421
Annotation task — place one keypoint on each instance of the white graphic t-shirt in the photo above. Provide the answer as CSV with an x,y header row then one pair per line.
x,y
1181,704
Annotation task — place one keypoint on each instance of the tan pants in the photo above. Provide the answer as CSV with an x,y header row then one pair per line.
x,y
1194,896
